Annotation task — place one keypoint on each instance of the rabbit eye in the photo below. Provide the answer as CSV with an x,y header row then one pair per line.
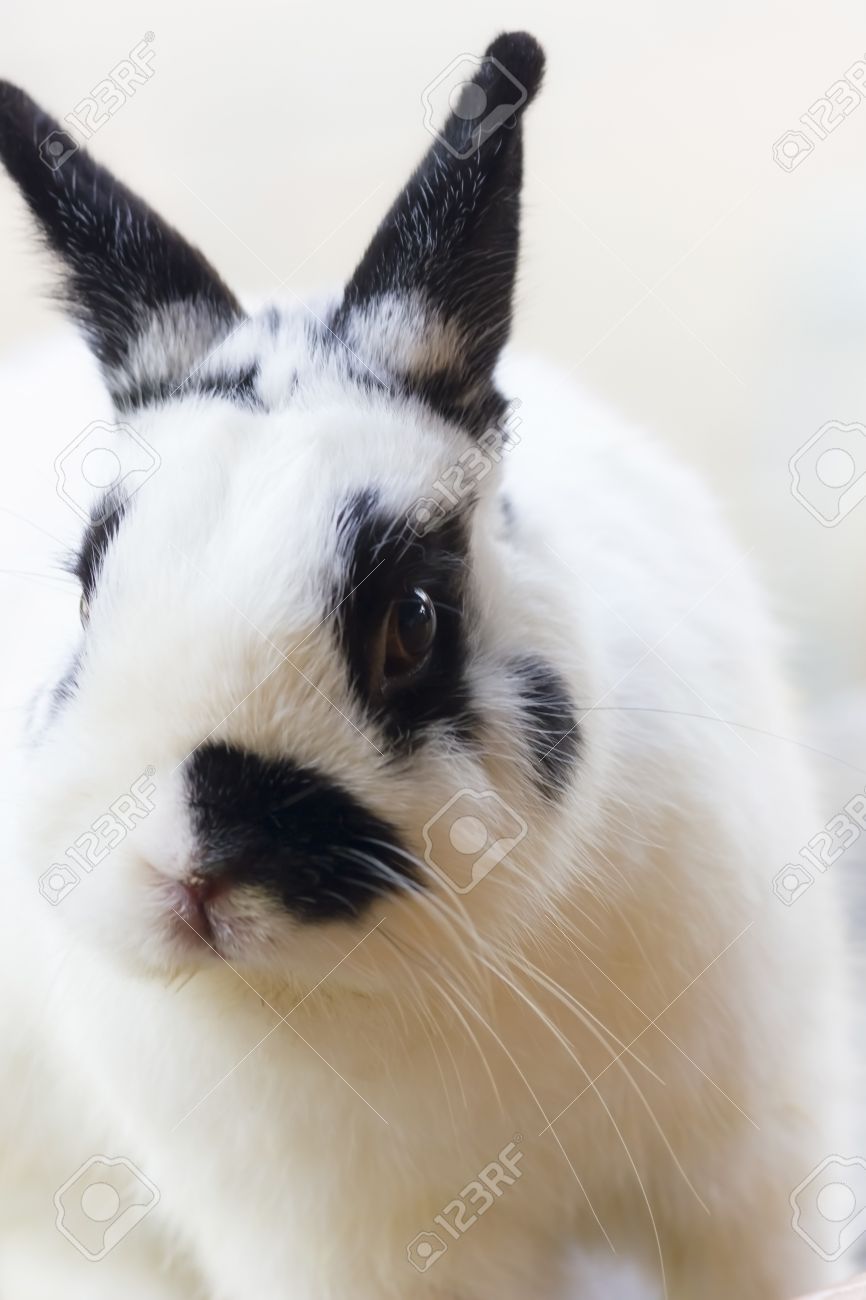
x,y
400,619
84,608
410,631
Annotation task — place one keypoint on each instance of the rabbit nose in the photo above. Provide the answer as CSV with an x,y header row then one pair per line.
x,y
194,895
204,888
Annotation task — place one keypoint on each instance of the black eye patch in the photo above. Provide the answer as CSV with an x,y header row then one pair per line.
x,y
383,560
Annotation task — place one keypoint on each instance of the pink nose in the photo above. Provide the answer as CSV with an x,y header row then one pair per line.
x,y
194,895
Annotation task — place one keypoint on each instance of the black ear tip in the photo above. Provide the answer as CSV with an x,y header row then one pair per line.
x,y
22,121
522,57
29,140
11,99
14,101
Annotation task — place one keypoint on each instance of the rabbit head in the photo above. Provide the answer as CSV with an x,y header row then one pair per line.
x,y
318,689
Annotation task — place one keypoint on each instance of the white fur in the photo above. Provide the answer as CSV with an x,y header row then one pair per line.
x,y
298,1159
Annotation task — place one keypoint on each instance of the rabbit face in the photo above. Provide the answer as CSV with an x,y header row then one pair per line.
x,y
290,659
308,698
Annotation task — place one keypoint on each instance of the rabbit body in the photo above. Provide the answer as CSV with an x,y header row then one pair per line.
x,y
301,1158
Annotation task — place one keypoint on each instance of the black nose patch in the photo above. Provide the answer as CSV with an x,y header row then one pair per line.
x,y
291,830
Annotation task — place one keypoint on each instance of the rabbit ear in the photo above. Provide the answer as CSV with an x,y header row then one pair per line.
x,y
151,306
432,294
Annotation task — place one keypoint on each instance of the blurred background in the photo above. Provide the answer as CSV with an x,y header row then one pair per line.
x,y
712,289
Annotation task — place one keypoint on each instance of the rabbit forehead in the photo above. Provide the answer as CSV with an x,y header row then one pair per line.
x,y
232,479
242,548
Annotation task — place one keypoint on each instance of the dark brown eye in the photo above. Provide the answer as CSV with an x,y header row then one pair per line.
x,y
409,635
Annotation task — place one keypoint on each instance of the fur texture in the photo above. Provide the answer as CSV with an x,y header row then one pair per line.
x,y
622,996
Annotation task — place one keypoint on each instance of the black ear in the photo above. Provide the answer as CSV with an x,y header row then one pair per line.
x,y
151,307
430,301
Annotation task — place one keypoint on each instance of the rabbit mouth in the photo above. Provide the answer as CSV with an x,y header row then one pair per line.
x,y
207,916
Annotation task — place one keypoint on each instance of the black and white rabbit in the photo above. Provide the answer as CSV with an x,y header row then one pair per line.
x,y
414,784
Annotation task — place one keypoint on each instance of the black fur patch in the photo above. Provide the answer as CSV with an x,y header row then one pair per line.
x,y
240,388
120,261
552,735
65,689
475,410
98,536
385,560
292,830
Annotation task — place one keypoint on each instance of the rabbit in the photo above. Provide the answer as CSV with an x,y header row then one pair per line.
x,y
388,867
